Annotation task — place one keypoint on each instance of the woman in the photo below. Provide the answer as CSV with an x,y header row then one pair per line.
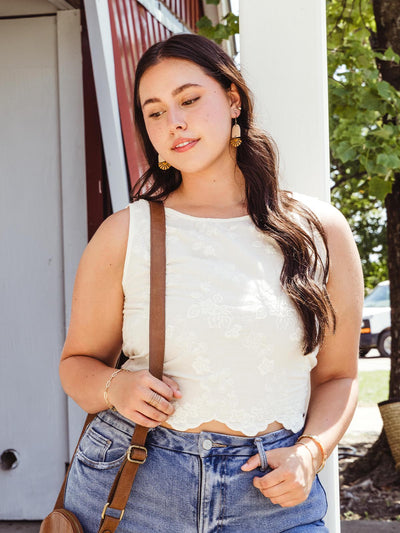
x,y
261,286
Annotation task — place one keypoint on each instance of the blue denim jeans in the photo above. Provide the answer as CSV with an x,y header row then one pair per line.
x,y
190,483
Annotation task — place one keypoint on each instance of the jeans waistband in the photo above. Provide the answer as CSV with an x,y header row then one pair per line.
x,y
202,443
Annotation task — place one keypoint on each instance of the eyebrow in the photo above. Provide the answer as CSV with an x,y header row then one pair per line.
x,y
175,92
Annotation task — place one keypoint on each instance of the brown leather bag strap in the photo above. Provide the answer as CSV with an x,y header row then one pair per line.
x,y
60,500
157,290
137,453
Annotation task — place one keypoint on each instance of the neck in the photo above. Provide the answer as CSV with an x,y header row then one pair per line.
x,y
216,190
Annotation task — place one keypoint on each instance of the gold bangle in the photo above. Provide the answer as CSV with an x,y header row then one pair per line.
x,y
320,447
305,445
105,394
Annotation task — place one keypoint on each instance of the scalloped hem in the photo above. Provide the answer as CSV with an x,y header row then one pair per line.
x,y
249,430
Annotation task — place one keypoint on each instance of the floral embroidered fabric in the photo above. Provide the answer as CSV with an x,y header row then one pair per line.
x,y
233,337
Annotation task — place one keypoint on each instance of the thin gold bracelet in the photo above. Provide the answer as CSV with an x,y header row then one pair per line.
x,y
305,445
105,394
320,447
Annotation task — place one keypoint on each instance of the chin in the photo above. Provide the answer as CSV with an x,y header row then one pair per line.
x,y
197,166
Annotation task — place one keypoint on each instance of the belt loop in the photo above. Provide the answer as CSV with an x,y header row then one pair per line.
x,y
261,453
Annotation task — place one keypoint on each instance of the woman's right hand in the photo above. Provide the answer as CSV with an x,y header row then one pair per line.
x,y
142,398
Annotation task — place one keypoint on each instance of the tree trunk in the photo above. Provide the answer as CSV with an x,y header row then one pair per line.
x,y
392,203
387,16
378,464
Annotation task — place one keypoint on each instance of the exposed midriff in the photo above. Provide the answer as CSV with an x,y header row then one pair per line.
x,y
218,427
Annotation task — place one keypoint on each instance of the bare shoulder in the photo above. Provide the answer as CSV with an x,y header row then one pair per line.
x,y
110,240
103,259
334,223
114,229
345,272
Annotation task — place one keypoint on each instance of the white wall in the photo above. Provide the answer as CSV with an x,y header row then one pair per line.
x,y
283,58
43,225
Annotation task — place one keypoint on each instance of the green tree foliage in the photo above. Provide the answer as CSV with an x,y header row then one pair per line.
x,y
367,218
228,26
364,130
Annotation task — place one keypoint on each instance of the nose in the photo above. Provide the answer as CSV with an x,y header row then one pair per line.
x,y
176,120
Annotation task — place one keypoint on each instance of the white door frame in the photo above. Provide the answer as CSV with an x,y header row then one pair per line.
x,y
73,172
101,50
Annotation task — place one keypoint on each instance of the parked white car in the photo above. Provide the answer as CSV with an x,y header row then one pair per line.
x,y
375,327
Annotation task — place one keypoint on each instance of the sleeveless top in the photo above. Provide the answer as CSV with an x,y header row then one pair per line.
x,y
233,337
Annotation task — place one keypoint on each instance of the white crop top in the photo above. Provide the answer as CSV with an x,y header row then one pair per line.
x,y
233,337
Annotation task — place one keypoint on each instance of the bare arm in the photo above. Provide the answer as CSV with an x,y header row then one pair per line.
x,y
94,338
333,380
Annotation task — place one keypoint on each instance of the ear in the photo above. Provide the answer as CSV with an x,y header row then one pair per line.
x,y
235,102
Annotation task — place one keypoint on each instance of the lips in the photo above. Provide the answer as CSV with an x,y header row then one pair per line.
x,y
182,145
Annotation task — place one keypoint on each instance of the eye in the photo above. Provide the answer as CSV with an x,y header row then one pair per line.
x,y
156,114
191,101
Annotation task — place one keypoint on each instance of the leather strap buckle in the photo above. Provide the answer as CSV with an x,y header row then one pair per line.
x,y
132,449
103,514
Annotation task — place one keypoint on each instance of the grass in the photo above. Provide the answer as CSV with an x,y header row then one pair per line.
x,y
374,387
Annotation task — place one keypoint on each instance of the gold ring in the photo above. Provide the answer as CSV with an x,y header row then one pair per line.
x,y
155,399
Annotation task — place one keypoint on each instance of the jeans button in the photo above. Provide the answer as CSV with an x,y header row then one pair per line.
x,y
207,444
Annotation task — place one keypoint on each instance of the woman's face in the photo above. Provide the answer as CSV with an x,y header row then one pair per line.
x,y
187,115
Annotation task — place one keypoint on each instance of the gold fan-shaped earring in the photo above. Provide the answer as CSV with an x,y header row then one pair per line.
x,y
164,165
236,134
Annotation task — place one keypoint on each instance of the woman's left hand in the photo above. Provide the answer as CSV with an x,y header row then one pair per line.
x,y
292,475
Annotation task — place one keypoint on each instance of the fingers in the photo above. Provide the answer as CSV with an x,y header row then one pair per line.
x,y
285,494
290,481
167,387
158,386
282,487
143,420
158,402
174,386
143,398
252,463
270,481
153,413
155,399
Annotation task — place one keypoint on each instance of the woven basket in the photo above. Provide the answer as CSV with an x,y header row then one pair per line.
x,y
390,413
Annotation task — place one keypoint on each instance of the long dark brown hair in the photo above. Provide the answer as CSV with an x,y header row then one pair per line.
x,y
268,206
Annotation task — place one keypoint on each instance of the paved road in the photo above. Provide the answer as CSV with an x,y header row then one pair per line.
x,y
14,527
367,421
369,526
372,361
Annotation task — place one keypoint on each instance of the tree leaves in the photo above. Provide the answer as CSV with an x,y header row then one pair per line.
x,y
220,31
364,109
228,26
379,188
364,129
390,161
345,152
